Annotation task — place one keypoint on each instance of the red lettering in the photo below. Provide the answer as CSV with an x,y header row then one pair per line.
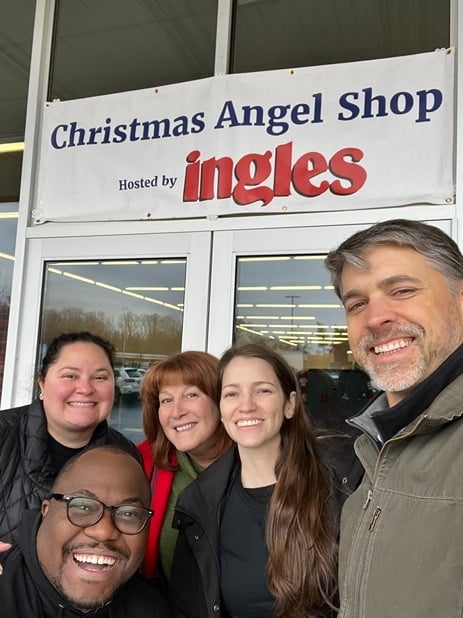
x,y
348,170
222,178
252,169
191,182
224,169
306,167
283,162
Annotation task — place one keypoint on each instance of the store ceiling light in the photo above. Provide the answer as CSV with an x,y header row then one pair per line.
x,y
11,147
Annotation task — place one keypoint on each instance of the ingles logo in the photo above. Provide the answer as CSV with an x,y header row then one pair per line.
x,y
261,177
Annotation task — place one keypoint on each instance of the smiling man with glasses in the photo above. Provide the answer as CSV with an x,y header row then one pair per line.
x,y
80,554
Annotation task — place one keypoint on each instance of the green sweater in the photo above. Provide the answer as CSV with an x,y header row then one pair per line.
x,y
185,474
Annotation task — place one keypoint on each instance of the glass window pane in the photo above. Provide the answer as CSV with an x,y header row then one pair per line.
x,y
16,26
288,302
8,224
276,34
116,46
10,176
135,304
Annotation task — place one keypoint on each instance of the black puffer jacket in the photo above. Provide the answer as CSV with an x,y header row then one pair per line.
x,y
25,592
26,471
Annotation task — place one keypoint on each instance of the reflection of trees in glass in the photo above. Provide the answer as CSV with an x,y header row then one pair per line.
x,y
131,332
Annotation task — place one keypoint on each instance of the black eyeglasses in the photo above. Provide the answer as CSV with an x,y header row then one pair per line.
x,y
84,512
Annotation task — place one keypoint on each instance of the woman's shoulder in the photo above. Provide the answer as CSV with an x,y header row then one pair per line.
x,y
11,417
145,450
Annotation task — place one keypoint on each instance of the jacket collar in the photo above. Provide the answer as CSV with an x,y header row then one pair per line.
x,y
382,422
204,495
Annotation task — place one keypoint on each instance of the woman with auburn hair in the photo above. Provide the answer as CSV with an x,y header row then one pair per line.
x,y
184,436
258,529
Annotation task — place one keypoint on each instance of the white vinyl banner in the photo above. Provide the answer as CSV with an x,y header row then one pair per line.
x,y
337,137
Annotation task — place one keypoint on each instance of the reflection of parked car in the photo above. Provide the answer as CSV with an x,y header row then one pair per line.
x,y
127,382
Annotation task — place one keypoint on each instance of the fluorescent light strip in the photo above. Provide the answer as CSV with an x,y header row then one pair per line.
x,y
107,287
81,263
296,318
78,278
309,306
272,306
11,147
276,258
252,288
120,262
147,289
290,288
112,288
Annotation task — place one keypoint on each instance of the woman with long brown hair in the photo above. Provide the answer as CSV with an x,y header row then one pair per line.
x,y
258,529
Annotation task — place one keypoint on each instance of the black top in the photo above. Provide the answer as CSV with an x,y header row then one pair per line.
x,y
60,454
244,553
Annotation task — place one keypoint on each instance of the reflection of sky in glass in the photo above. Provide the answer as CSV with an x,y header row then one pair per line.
x,y
134,278
289,298
7,245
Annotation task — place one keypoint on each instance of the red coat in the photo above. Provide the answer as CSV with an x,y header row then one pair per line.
x,y
161,485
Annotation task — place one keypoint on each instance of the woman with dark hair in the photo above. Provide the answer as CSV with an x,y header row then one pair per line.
x,y
258,529
76,382
184,435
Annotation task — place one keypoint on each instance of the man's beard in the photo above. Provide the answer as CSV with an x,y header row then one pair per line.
x,y
402,374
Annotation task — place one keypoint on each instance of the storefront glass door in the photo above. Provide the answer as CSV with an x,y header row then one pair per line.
x,y
146,294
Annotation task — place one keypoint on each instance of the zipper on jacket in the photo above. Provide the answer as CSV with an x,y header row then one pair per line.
x,y
368,500
374,519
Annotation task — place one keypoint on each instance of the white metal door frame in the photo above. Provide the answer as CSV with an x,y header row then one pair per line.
x,y
19,372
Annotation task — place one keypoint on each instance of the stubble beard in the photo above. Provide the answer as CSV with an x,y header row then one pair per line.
x,y
400,375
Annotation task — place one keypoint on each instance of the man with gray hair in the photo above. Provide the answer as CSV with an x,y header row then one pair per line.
x,y
401,547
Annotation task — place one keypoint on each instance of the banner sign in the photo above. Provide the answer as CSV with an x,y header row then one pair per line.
x,y
336,137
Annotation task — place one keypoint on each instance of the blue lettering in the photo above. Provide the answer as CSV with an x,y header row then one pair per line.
x,y
227,115
345,103
54,137
436,99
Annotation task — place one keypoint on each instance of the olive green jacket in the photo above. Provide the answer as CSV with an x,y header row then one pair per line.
x,y
401,550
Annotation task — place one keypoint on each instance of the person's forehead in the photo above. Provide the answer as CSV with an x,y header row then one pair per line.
x,y
388,256
104,473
